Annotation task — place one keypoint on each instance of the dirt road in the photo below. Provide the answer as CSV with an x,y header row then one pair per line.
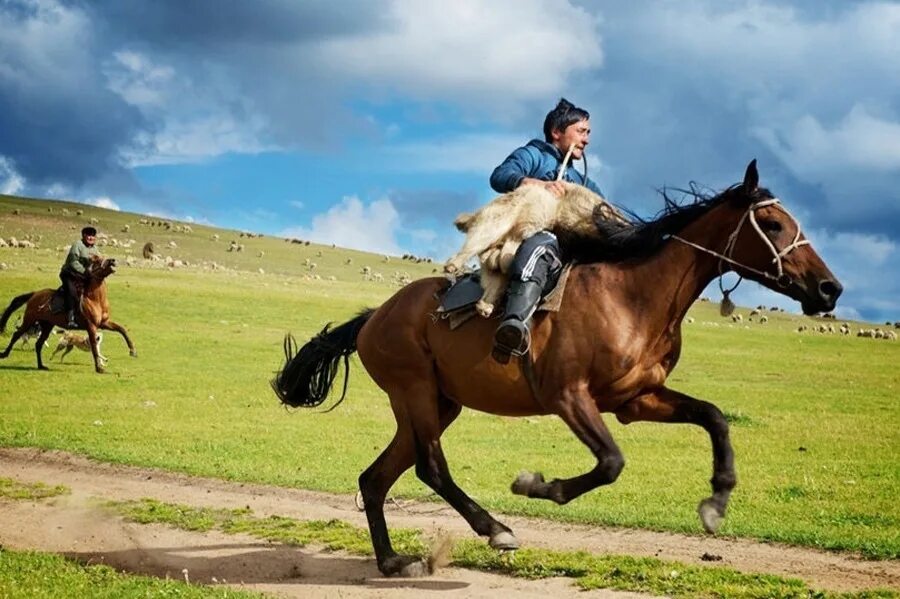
x,y
70,525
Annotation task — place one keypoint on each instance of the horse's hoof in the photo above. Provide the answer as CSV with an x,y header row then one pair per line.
x,y
133,354
525,482
100,370
42,367
405,566
504,541
710,515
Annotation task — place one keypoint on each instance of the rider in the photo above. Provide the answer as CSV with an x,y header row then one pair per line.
x,y
536,267
75,270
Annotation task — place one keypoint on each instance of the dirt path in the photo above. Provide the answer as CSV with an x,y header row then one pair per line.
x,y
68,526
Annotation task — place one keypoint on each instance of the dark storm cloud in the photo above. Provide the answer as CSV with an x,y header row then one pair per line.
x,y
58,120
62,123
213,22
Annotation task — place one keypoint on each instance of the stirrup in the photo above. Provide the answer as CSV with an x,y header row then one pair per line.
x,y
502,352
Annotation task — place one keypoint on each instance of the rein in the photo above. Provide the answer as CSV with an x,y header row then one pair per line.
x,y
781,279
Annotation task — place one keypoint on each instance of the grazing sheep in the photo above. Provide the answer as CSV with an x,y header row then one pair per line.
x,y
689,320
890,335
148,250
802,328
348,261
763,319
736,318
260,254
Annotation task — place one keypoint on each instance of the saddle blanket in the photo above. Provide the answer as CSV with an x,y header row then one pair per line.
x,y
457,302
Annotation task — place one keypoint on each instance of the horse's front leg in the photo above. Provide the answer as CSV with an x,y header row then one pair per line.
x,y
666,405
579,410
114,326
92,337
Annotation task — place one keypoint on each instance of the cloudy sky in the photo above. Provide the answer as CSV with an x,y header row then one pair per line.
x,y
372,124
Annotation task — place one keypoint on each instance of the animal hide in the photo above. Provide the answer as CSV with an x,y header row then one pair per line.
x,y
496,231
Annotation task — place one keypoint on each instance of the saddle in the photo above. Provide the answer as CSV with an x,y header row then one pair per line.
x,y
457,301
58,300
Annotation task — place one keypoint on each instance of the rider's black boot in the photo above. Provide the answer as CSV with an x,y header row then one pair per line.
x,y
72,324
511,337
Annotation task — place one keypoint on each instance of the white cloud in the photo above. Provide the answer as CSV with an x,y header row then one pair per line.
x,y
471,50
137,80
102,202
196,119
11,182
353,224
297,204
860,142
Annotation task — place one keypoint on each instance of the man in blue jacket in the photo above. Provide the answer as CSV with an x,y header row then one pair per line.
x,y
537,265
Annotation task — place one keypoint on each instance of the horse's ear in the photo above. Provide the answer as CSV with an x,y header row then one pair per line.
x,y
751,177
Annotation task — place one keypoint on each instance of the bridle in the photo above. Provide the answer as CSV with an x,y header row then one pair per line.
x,y
781,279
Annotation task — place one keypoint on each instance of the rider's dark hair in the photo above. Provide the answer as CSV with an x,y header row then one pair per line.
x,y
88,231
561,117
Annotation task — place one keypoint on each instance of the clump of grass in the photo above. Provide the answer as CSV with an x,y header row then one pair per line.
x,y
13,489
44,576
738,418
588,571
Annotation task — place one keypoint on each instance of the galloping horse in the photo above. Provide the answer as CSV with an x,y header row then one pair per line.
x,y
94,313
609,348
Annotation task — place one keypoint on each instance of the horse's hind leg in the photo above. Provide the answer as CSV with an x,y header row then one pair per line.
x,y
16,335
377,480
666,405
578,410
431,468
46,327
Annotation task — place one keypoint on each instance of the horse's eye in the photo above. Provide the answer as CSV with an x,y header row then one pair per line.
x,y
770,226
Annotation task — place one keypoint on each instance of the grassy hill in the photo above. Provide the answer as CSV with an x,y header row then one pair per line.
x,y
814,417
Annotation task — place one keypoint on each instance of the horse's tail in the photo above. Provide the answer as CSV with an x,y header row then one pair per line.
x,y
14,305
464,220
309,372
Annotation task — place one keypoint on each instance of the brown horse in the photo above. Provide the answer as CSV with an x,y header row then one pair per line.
x,y
609,348
94,313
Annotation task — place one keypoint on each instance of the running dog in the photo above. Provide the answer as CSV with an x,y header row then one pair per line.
x,y
69,341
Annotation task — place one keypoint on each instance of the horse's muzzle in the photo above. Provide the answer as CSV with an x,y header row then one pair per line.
x,y
823,297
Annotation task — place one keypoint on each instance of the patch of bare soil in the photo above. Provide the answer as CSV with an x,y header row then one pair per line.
x,y
70,526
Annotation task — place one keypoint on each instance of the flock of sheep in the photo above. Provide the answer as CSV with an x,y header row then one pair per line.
x,y
400,278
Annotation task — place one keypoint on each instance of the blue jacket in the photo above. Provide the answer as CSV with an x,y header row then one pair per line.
x,y
538,160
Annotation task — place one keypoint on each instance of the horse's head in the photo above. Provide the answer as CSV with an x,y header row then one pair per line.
x,y
768,247
101,267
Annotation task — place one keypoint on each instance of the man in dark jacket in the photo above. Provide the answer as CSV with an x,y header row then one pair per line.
x,y
537,265
75,269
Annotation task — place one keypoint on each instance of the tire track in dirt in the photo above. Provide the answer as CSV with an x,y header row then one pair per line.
x,y
71,527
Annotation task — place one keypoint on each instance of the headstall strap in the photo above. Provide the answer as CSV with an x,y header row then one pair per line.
x,y
724,257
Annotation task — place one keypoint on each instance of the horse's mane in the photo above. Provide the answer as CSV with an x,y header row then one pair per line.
x,y
643,238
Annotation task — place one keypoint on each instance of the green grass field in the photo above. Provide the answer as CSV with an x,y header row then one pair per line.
x,y
815,418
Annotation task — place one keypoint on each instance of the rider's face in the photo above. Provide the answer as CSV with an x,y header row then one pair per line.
x,y
577,133
89,240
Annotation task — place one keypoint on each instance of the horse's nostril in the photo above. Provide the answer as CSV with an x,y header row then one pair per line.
x,y
830,289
